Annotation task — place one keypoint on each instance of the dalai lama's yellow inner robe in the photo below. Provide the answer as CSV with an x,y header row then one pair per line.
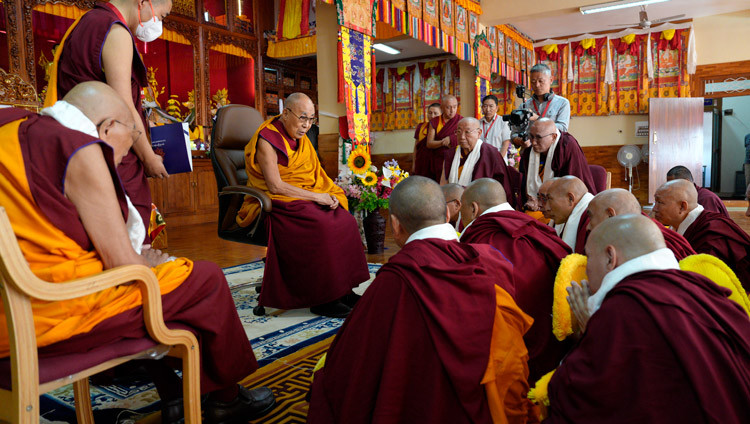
x,y
55,257
303,171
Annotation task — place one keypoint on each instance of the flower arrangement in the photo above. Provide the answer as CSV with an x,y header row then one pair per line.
x,y
367,187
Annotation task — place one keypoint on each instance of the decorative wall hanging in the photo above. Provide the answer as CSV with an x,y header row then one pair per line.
x,y
462,24
358,15
446,17
356,58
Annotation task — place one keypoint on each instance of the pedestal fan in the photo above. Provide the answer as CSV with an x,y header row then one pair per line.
x,y
629,156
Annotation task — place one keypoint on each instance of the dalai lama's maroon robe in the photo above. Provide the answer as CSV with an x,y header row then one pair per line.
x,y
490,165
201,304
535,251
81,61
665,347
568,160
442,130
314,253
710,201
675,241
715,234
416,345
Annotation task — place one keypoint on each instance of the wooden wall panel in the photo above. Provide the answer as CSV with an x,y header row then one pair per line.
x,y
719,72
606,156
328,150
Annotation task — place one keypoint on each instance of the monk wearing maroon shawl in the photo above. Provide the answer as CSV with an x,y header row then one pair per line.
x,y
423,154
617,201
706,198
566,204
441,135
436,338
552,154
535,251
477,159
100,46
676,204
661,345
73,219
315,255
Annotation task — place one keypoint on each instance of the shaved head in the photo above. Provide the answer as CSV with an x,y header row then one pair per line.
x,y
453,193
416,203
612,202
679,172
563,196
542,134
673,202
298,115
541,195
449,106
297,98
479,196
618,240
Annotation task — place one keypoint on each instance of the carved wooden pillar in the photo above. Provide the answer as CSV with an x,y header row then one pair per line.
x,y
16,31
202,89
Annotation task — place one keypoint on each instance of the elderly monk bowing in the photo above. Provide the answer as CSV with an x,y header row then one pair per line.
x,y
618,201
437,337
566,204
706,198
535,251
676,205
536,206
453,193
423,154
473,159
441,135
552,154
661,345
315,253
72,218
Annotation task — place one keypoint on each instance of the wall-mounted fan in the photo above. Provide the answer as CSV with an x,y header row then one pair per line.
x,y
629,156
645,22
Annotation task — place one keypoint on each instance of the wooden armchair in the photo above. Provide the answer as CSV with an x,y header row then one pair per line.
x,y
23,377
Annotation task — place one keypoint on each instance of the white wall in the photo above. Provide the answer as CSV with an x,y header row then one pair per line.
x,y
606,130
722,38
733,130
327,30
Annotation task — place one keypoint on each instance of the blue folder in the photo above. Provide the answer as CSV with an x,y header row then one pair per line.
x,y
172,142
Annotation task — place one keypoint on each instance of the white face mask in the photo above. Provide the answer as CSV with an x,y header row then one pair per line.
x,y
150,30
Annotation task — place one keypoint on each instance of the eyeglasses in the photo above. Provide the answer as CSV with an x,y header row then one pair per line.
x,y
304,119
134,132
459,132
538,137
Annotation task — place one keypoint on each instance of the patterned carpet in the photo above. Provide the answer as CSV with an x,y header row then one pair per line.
x,y
287,345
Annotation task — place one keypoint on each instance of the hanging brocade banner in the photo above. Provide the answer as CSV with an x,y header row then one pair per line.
x,y
462,24
399,4
357,61
587,92
402,86
509,66
430,12
430,73
359,15
500,53
446,18
473,26
414,8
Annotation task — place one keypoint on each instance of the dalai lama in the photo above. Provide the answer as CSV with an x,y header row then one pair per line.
x,y
535,251
552,154
423,154
315,255
441,135
473,159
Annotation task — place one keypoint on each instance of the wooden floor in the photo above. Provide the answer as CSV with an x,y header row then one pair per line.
x,y
200,242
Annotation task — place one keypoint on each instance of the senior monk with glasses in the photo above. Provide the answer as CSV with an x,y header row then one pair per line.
x,y
315,255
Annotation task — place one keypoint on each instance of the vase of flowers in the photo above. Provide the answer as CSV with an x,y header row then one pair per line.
x,y
368,190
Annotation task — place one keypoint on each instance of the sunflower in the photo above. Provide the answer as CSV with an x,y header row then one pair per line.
x,y
370,179
359,161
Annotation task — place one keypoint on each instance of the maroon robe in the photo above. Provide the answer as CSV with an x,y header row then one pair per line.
x,y
568,160
710,201
81,61
717,235
582,234
675,241
416,346
535,251
438,154
489,165
201,304
665,347
423,154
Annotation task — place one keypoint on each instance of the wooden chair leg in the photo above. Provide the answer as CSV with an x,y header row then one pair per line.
x,y
84,413
191,391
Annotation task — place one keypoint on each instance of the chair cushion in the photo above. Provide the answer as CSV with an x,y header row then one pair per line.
x,y
54,367
600,177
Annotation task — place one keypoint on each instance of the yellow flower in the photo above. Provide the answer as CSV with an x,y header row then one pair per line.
x,y
370,179
572,268
717,271
359,161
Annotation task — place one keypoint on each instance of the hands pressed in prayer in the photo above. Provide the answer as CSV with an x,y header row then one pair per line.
x,y
154,257
532,204
578,296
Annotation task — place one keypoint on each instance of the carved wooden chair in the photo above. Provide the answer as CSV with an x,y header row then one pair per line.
x,y
16,92
24,376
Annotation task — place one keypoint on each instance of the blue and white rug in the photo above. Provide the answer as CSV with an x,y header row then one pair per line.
x,y
277,334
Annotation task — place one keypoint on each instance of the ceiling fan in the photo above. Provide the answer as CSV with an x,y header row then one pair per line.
x,y
646,23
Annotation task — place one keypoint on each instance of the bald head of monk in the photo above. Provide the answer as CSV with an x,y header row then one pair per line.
x,y
562,197
541,195
449,106
468,134
298,115
479,196
618,240
416,203
452,193
609,203
105,108
673,201
542,134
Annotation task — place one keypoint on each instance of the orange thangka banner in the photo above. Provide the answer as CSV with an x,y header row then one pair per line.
x,y
358,15
446,18
430,12
462,24
414,8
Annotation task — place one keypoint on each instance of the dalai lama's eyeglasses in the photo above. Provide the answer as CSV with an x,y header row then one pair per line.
x,y
304,119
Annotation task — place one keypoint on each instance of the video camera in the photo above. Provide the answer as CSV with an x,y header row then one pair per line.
x,y
518,119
